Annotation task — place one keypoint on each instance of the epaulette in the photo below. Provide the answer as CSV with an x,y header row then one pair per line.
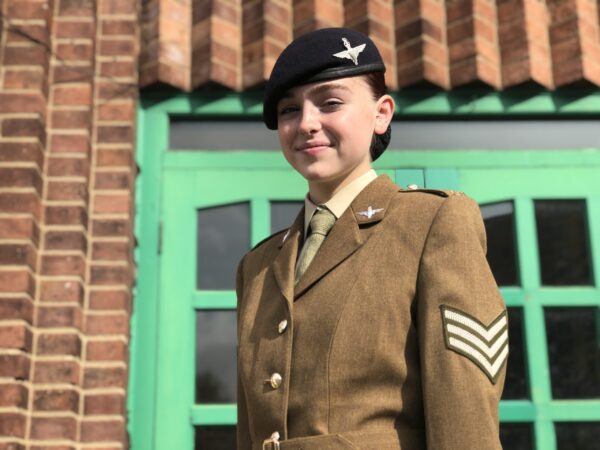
x,y
439,192
269,237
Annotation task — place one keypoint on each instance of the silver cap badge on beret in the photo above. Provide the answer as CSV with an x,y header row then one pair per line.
x,y
350,52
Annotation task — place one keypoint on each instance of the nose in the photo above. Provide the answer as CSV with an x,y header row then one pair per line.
x,y
309,119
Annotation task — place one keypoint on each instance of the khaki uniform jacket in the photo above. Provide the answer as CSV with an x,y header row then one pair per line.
x,y
377,347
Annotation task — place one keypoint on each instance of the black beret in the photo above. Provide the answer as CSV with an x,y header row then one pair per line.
x,y
319,55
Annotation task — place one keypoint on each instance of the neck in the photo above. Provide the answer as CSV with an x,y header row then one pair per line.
x,y
321,191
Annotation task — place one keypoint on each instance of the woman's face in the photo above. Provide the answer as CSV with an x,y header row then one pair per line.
x,y
325,128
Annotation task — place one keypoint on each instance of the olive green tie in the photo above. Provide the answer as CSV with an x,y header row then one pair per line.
x,y
320,224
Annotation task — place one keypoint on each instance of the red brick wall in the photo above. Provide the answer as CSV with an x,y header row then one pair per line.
x,y
447,43
68,90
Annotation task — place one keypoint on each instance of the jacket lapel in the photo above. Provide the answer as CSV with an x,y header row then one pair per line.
x,y
346,236
285,262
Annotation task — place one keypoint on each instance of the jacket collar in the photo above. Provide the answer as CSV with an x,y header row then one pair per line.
x,y
347,235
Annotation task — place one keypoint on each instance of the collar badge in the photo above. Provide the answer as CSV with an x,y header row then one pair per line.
x,y
370,212
350,52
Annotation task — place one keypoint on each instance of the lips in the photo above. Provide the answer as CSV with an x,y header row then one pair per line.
x,y
313,147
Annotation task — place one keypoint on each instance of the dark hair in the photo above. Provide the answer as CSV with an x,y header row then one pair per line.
x,y
376,81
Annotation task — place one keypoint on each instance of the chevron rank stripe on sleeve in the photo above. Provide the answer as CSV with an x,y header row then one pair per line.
x,y
486,346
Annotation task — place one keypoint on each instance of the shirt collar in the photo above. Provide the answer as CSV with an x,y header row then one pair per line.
x,y
340,201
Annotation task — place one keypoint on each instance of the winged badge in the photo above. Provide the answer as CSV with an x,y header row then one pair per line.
x,y
350,52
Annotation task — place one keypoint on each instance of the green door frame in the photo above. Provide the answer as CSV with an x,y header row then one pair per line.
x,y
431,168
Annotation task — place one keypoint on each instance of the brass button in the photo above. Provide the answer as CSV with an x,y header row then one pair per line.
x,y
275,380
413,186
282,326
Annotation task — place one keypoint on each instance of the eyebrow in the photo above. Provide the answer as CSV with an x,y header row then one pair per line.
x,y
320,88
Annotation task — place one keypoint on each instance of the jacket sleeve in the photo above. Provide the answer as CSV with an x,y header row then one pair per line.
x,y
242,430
463,335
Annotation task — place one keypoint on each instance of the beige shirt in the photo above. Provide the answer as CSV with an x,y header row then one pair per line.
x,y
340,201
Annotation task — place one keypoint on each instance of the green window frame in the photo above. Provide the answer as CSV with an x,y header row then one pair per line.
x,y
424,168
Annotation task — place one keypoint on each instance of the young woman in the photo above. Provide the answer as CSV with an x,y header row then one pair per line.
x,y
374,321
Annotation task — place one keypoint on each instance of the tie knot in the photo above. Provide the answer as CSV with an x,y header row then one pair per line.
x,y
322,221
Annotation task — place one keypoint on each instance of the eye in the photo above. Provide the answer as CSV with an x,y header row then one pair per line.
x,y
332,104
287,110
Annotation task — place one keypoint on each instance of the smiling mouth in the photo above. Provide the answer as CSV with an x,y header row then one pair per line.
x,y
313,149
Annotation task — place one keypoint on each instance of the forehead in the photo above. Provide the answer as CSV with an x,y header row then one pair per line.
x,y
348,84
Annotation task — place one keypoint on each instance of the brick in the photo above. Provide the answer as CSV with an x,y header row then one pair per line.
x,y
21,178
111,228
20,202
117,7
110,300
53,428
119,69
118,27
67,190
72,74
111,251
24,55
61,291
16,337
66,240
27,10
114,350
70,119
22,103
104,404
106,275
102,430
104,377
18,255
56,372
12,424
76,8
19,228
16,308
107,324
114,158
59,316
69,143
21,152
63,265
74,30
115,134
66,215
73,95
114,47
17,281
113,89
28,33
54,447
56,400
14,366
67,167
12,394
22,78
113,180
75,52
11,446
117,111
24,128
59,344
112,203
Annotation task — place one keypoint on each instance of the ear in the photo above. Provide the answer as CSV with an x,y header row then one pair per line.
x,y
384,113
